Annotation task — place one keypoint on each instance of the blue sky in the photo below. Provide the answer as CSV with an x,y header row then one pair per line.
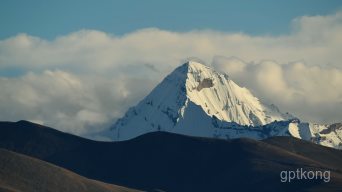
x,y
48,19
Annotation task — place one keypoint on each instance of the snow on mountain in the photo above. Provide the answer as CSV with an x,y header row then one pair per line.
x,y
327,135
198,101
188,100
220,96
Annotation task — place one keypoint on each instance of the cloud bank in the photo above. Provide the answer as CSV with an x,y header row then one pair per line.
x,y
83,81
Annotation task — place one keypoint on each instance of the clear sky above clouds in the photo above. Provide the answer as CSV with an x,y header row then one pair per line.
x,y
79,65
48,19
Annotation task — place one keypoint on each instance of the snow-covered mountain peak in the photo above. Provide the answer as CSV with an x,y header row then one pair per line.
x,y
192,93
196,100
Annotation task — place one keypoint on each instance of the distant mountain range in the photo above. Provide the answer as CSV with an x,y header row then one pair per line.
x,y
162,161
196,100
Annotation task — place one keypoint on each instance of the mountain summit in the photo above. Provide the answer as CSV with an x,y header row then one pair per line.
x,y
196,100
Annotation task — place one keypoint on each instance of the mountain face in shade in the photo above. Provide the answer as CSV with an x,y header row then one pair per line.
x,y
162,161
196,100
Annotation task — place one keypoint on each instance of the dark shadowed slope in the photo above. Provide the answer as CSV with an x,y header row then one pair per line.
x,y
37,140
173,162
319,153
20,173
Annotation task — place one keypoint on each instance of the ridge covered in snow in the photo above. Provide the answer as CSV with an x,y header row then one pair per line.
x,y
198,101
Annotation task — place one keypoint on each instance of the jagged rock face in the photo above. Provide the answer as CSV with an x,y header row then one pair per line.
x,y
206,83
188,100
329,135
336,127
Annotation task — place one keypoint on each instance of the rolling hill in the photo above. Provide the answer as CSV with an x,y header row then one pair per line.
x,y
20,173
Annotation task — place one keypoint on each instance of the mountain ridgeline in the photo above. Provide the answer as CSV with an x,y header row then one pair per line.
x,y
162,161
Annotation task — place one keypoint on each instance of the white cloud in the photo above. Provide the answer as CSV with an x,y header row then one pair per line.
x,y
80,104
53,97
316,40
89,78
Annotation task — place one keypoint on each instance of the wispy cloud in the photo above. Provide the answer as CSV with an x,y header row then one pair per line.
x,y
87,79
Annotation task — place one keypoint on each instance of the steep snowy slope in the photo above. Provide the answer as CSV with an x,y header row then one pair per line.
x,y
196,100
220,96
